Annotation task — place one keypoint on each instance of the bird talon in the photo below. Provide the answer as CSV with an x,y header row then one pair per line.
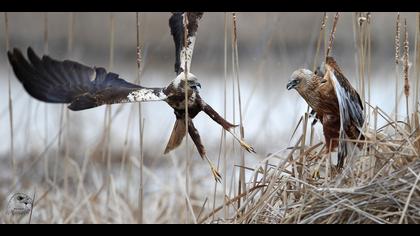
x,y
216,175
247,147
315,174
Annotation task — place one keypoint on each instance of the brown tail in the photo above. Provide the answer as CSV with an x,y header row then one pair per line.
x,y
354,133
178,133
342,153
360,145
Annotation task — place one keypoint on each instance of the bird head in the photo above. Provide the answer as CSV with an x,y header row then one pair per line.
x,y
20,204
299,78
190,79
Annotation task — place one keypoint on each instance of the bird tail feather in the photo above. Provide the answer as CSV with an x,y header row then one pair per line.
x,y
178,134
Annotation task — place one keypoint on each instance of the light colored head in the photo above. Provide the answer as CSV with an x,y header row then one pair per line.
x,y
299,78
191,80
19,204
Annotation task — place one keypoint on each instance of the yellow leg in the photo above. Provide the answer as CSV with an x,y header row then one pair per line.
x,y
246,146
315,174
214,171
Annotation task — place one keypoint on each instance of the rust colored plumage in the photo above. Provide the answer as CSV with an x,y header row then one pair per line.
x,y
334,100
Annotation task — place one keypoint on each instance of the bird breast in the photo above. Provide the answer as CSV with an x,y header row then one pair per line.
x,y
177,101
321,97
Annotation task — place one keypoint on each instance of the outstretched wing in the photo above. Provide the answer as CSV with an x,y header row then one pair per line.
x,y
84,87
182,53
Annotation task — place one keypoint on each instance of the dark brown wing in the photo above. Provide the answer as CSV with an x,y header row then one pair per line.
x,y
84,87
350,99
176,23
350,107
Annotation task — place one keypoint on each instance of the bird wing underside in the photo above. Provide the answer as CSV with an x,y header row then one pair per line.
x,y
84,87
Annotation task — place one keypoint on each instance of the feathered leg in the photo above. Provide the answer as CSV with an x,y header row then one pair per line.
x,y
178,134
195,136
226,125
331,129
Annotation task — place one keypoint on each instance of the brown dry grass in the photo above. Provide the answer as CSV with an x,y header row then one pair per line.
x,y
376,186
379,184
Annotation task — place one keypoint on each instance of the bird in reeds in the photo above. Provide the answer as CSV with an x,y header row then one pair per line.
x,y
335,103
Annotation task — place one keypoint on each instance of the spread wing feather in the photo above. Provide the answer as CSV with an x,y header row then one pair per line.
x,y
84,87
182,53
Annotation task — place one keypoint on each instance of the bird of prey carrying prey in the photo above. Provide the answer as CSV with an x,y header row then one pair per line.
x,y
84,87
336,104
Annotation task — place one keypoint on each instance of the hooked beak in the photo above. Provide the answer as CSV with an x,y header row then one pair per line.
x,y
195,85
292,84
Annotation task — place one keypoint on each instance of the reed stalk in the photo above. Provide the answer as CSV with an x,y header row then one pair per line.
x,y
397,59
10,102
406,71
141,127
187,154
242,183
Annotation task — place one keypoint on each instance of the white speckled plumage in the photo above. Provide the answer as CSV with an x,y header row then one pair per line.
x,y
143,95
181,77
187,52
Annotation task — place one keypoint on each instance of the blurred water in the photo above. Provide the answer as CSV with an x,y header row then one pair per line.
x,y
271,46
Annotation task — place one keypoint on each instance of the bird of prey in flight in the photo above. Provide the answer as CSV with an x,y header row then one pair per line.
x,y
335,103
84,87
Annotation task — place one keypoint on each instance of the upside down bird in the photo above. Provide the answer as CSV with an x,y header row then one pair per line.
x,y
336,103
84,87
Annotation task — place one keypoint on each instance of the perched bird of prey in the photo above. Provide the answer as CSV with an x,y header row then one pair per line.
x,y
336,104
84,87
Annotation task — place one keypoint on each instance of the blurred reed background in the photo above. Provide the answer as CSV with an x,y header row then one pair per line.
x,y
66,167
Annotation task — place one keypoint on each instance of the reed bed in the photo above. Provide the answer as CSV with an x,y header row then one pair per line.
x,y
379,185
298,184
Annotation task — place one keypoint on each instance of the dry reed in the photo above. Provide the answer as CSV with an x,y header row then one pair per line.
x,y
141,127
235,72
381,187
296,185
405,70
397,59
10,102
